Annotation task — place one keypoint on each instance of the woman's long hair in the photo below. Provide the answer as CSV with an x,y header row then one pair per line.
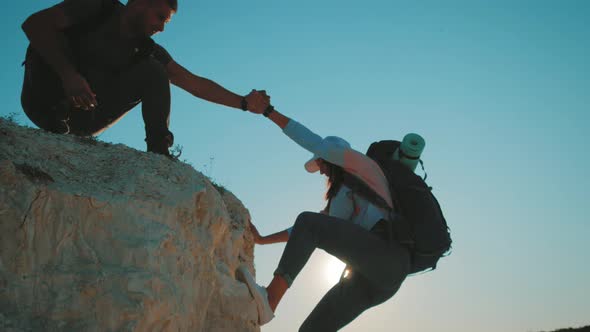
x,y
337,176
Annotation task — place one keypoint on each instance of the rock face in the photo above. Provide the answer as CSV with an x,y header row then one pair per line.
x,y
98,237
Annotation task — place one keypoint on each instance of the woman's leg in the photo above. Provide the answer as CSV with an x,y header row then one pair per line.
x,y
382,263
344,302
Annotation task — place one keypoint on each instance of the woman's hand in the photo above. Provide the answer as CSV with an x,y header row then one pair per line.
x,y
258,239
282,236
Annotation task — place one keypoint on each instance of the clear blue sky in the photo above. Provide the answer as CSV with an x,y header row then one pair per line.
x,y
500,90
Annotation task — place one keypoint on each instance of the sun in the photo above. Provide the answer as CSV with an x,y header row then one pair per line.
x,y
333,270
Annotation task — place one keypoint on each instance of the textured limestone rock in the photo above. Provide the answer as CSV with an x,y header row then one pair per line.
x,y
98,237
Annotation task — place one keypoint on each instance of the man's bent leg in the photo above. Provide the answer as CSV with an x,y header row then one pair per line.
x,y
41,96
156,109
146,82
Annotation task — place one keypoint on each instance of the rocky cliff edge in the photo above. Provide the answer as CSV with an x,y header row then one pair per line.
x,y
101,237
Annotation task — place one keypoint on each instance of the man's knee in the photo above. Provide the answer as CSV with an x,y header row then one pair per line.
x,y
153,74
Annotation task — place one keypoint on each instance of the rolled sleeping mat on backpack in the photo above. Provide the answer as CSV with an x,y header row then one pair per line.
x,y
410,150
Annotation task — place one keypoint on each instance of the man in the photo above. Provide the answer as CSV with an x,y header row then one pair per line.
x,y
91,61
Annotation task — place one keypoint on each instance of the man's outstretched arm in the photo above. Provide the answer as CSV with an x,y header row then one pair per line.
x,y
206,89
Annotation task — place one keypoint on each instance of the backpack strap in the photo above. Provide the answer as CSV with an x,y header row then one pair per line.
x,y
423,170
402,154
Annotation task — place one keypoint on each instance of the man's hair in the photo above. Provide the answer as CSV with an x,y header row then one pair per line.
x,y
172,3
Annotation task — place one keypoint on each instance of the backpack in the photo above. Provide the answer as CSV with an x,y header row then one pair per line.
x,y
419,223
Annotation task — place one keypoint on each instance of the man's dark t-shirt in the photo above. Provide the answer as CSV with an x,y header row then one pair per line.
x,y
98,47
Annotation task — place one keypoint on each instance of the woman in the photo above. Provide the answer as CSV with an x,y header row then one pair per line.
x,y
353,227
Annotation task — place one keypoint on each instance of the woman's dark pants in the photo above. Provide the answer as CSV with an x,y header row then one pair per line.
x,y
378,267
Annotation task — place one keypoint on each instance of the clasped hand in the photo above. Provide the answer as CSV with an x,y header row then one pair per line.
x,y
258,101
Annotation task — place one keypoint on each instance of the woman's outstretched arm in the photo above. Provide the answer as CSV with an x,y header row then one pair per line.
x,y
354,162
300,134
278,237
278,118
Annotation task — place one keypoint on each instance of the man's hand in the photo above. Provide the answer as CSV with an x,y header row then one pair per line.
x,y
258,101
78,92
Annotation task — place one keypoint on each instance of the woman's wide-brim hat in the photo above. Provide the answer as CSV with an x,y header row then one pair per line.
x,y
329,143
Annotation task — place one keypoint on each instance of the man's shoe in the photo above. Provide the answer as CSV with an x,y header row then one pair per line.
x,y
259,293
161,145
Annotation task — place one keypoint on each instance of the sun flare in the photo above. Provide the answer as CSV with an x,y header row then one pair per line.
x,y
333,270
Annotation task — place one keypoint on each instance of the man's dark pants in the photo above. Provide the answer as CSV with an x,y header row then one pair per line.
x,y
146,81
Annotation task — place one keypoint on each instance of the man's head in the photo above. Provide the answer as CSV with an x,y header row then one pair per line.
x,y
148,17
